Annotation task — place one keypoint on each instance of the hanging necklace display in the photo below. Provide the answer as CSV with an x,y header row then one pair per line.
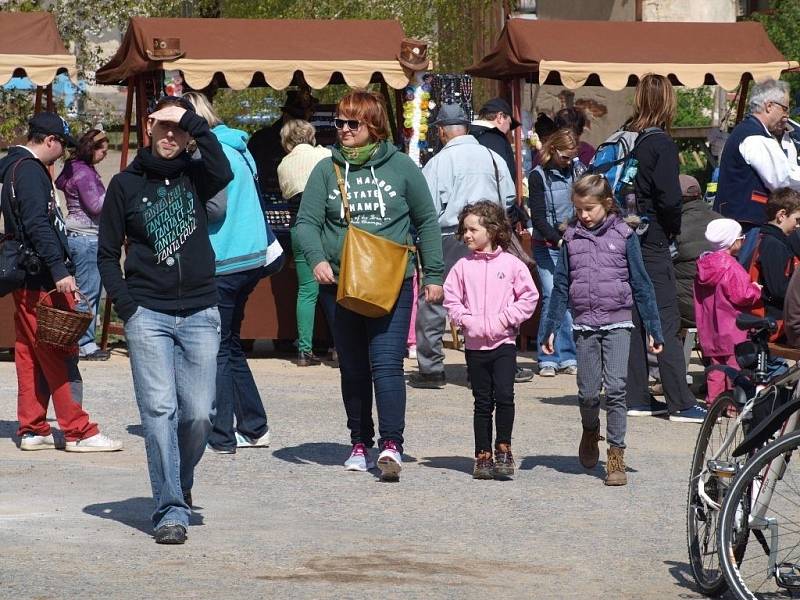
x,y
416,112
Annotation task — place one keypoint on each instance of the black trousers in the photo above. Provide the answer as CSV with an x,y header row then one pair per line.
x,y
671,362
491,373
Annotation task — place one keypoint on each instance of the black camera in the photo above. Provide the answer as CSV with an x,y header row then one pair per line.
x,y
30,261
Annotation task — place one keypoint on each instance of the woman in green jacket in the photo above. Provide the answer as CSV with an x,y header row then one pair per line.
x,y
387,195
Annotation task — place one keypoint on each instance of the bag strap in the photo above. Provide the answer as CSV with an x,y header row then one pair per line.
x,y
343,191
496,177
12,197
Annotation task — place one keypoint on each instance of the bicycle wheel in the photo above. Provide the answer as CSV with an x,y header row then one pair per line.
x,y
772,567
701,517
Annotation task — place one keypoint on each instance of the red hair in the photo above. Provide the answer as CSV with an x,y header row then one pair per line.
x,y
367,107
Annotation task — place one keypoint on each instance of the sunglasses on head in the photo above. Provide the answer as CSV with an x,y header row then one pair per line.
x,y
352,124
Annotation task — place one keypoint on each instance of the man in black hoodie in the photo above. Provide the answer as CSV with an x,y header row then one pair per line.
x,y
31,214
168,298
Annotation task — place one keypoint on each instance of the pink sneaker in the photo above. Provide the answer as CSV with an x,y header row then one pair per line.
x,y
390,462
359,459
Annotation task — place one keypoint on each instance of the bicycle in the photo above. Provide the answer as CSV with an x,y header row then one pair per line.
x,y
731,420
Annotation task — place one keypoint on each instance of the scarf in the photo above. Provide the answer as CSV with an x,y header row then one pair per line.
x,y
161,167
359,155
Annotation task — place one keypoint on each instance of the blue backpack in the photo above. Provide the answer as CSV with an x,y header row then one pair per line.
x,y
614,157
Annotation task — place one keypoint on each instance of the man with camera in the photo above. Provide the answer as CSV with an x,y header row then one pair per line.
x,y
31,214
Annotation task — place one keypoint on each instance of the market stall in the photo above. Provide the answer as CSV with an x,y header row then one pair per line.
x,y
614,54
30,46
241,53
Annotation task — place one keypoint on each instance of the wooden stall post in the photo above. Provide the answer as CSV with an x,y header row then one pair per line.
x,y
50,104
37,103
744,88
123,162
516,103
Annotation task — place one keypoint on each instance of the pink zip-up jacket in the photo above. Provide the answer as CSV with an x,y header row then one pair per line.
x,y
489,295
722,290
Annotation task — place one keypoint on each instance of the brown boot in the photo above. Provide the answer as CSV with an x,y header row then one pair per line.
x,y
484,466
588,452
503,462
615,467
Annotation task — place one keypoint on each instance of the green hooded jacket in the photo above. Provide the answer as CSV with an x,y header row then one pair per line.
x,y
388,195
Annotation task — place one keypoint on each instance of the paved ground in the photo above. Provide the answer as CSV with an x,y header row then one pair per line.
x,y
288,522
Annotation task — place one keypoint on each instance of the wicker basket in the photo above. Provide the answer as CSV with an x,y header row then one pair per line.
x,y
61,328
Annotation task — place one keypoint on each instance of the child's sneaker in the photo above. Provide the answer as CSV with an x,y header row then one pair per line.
x,y
588,452
484,466
693,414
503,463
390,462
359,459
615,467
547,372
412,352
31,441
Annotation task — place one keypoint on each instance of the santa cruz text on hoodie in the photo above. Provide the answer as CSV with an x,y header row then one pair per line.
x,y
159,206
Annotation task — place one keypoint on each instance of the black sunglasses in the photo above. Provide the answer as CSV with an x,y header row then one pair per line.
x,y
352,124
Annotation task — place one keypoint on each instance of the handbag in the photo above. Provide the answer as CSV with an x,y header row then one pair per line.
x,y
15,257
371,268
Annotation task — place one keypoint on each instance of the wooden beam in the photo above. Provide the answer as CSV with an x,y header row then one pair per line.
x,y
516,108
744,87
37,104
49,94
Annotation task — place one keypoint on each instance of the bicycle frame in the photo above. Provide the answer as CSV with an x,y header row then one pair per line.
x,y
723,470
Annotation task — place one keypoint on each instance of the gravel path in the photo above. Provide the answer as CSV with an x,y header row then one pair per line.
x,y
288,522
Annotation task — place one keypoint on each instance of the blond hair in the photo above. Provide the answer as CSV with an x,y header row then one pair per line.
x,y
202,106
654,104
562,140
295,132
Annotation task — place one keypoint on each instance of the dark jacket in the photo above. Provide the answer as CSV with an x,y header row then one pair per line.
x,y
738,181
791,312
267,150
169,264
658,189
775,258
496,140
41,218
695,217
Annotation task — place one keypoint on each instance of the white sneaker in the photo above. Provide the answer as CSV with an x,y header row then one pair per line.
x,y
390,462
31,441
243,441
412,352
359,459
95,443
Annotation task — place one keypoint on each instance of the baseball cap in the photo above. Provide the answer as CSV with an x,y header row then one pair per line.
x,y
690,188
48,123
451,114
499,105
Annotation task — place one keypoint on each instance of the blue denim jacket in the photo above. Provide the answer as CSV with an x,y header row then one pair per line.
x,y
643,294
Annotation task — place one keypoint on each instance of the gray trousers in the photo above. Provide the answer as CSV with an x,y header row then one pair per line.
x,y
603,362
432,318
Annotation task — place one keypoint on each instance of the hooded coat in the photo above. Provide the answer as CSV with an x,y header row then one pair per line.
x,y
236,224
159,206
42,221
722,290
387,195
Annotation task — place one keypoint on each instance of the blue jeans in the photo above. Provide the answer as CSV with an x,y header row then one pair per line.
x,y
371,352
83,249
173,362
237,393
564,355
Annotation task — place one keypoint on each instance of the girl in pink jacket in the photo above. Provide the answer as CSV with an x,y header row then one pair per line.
x,y
722,290
489,294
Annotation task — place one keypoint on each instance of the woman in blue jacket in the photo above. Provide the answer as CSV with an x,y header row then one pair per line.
x,y
244,248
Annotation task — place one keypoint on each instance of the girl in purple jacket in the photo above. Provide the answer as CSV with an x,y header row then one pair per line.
x,y
601,274
489,294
